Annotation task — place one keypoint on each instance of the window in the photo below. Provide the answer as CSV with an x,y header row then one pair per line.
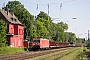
x,y
12,19
12,30
20,31
15,19
36,41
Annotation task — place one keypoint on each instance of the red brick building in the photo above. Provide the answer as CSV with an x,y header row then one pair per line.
x,y
15,30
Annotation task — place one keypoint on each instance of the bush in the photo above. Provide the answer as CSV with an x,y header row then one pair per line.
x,y
9,50
88,45
84,50
3,28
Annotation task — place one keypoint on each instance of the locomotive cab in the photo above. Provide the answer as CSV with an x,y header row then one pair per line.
x,y
36,44
40,43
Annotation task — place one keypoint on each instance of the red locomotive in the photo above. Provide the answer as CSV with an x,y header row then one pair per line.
x,y
40,43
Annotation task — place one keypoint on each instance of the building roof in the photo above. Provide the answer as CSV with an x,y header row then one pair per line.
x,y
8,16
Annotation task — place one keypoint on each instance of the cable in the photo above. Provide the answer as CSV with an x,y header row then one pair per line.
x,y
82,4
64,2
54,4
47,7
60,13
68,1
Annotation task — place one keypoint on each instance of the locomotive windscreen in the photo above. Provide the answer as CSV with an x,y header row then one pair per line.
x,y
36,41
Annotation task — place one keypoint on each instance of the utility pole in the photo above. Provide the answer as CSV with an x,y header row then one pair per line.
x,y
48,11
48,20
88,35
4,5
35,20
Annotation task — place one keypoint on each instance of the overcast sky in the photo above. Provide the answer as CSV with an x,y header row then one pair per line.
x,y
69,9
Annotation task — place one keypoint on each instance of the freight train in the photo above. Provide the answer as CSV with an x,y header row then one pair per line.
x,y
40,43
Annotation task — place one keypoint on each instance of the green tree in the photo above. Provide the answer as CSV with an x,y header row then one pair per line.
x,y
41,29
70,37
63,25
66,36
59,33
80,40
3,28
43,15
43,18
60,28
53,31
88,45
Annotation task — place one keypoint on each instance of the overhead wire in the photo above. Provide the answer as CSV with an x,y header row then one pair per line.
x,y
64,2
61,8
68,1
54,4
47,7
82,4
31,8
47,4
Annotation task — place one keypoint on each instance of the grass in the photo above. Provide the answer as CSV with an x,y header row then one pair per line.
x,y
72,55
82,55
64,52
8,50
60,53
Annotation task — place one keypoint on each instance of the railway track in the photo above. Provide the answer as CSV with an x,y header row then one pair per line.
x,y
28,55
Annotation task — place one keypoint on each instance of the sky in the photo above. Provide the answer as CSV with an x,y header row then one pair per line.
x,y
69,9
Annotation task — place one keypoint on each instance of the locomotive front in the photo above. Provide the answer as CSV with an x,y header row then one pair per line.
x,y
36,43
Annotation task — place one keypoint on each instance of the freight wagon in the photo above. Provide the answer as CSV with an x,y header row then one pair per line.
x,y
40,43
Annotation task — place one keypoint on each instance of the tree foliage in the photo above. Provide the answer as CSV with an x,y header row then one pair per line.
x,y
88,45
43,15
63,25
53,31
41,28
2,33
70,37
47,24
